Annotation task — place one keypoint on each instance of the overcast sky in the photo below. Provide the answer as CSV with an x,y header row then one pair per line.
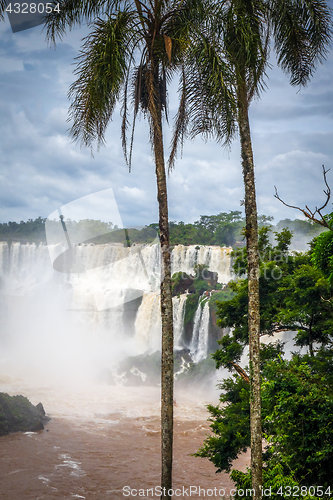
x,y
42,170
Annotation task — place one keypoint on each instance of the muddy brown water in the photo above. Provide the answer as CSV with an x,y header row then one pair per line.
x,y
104,442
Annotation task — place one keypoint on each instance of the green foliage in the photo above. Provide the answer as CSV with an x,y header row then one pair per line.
x,y
178,278
297,411
293,296
305,306
283,239
183,234
297,395
200,283
322,255
230,352
31,230
220,296
192,302
297,417
230,425
222,229
99,232
278,483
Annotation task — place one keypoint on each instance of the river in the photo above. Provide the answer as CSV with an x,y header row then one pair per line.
x,y
104,442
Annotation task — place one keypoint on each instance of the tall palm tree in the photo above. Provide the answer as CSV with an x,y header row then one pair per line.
x,y
131,54
239,39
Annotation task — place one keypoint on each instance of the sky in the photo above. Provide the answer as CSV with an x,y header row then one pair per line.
x,y
41,170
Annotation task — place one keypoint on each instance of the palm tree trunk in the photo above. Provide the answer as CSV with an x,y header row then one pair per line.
x,y
253,288
166,308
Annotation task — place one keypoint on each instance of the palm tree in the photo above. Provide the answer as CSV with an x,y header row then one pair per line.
x,y
239,39
131,54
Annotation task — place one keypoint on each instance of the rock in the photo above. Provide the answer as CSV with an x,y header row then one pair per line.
x,y
143,369
181,282
183,354
40,409
18,414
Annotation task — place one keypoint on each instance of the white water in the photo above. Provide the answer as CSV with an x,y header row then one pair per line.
x,y
184,258
148,322
199,344
178,304
83,321
202,349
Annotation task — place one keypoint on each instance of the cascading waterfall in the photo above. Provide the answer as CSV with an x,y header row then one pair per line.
x,y
202,349
179,305
148,322
184,258
96,299
196,326
148,325
199,343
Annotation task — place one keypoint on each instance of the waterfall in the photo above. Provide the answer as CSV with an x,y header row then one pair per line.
x,y
148,325
202,349
199,343
196,327
105,266
218,259
178,304
90,307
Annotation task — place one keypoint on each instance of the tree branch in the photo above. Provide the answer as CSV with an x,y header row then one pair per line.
x,y
308,213
241,372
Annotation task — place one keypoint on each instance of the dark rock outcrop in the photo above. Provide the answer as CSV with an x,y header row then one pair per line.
x,y
18,414
182,282
143,369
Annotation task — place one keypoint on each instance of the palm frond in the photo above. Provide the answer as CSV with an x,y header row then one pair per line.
x,y
207,104
101,69
243,28
3,5
181,122
302,31
124,115
139,97
72,13
184,18
210,92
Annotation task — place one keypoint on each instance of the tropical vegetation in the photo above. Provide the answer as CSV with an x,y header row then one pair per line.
x,y
296,387
223,229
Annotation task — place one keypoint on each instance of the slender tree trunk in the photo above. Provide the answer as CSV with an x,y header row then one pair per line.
x,y
166,310
253,289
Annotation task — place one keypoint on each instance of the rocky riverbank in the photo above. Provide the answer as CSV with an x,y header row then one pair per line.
x,y
18,414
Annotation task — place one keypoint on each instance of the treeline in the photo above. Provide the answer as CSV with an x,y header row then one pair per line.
x,y
228,229
31,230
224,229
87,230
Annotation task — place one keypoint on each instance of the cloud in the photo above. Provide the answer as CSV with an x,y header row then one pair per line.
x,y
134,193
41,169
298,178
